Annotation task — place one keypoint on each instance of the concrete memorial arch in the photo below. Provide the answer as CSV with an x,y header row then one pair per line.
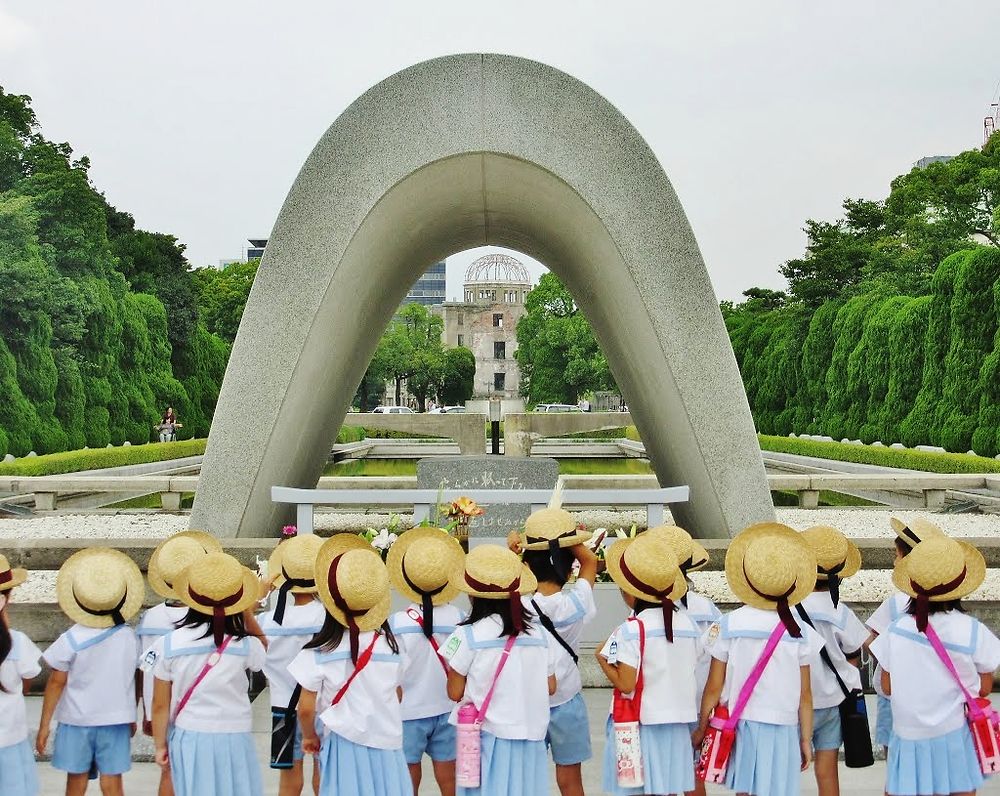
x,y
447,155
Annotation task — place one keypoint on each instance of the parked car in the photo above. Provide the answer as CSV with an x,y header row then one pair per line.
x,y
557,408
393,410
447,410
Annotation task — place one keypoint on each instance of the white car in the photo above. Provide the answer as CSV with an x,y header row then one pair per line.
x,y
393,410
557,408
447,410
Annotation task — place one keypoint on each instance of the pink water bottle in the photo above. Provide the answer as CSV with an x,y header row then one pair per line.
x,y
467,757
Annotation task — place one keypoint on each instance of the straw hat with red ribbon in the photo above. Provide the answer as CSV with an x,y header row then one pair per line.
x,y
353,584
553,528
837,557
771,567
495,573
9,577
420,564
916,530
646,567
175,555
939,570
217,585
691,555
100,587
292,566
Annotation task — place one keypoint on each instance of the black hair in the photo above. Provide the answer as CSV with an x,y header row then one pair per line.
x,y
6,640
542,566
332,634
483,607
235,626
643,605
935,607
903,548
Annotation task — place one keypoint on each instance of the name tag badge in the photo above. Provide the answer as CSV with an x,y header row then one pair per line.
x,y
148,661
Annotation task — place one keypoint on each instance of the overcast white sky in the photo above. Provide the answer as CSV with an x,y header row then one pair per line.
x,y
197,116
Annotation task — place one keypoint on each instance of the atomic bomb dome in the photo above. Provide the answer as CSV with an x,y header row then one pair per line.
x,y
497,269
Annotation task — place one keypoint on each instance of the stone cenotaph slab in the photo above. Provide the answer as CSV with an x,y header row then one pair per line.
x,y
489,472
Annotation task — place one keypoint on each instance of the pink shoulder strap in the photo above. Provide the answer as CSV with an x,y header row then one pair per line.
x,y
496,676
975,712
213,659
755,674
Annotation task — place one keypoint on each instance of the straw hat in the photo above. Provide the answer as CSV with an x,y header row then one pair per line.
x,y
493,573
100,587
352,582
217,584
835,553
691,556
420,564
915,531
699,557
9,578
174,555
552,528
646,567
294,561
939,570
770,566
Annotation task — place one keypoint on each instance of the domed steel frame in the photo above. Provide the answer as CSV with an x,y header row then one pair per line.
x,y
499,269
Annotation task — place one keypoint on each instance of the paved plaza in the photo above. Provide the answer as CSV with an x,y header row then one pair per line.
x,y
143,777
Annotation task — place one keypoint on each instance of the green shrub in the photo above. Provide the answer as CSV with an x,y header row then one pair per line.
x,y
99,458
350,434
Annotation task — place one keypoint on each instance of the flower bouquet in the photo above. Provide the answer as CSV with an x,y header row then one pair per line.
x,y
460,513
383,538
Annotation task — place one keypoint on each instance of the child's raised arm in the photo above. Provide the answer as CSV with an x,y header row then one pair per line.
x,y
588,563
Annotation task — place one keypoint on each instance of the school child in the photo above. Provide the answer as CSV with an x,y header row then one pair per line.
x,y
770,569
18,667
420,564
931,749
661,646
357,659
837,558
201,711
908,535
297,616
91,690
550,544
513,760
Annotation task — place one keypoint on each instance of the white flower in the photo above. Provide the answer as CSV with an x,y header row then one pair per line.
x,y
384,540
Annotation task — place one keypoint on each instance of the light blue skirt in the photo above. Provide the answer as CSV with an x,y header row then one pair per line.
x,y
18,776
510,768
349,769
214,763
946,764
667,760
766,760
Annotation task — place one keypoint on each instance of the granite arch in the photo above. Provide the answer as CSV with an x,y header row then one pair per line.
x,y
449,154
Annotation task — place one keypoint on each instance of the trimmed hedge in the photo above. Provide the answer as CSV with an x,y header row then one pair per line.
x,y
99,458
350,434
926,461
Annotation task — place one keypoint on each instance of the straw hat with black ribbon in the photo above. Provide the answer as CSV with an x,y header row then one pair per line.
x,y
771,567
293,567
420,564
553,528
837,557
939,570
10,577
100,587
646,567
496,573
690,555
176,554
217,585
915,531
353,584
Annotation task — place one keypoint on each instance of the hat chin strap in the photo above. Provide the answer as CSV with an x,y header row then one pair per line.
x,y
666,604
426,599
218,611
512,590
6,577
115,613
922,605
781,603
289,584
833,580
354,632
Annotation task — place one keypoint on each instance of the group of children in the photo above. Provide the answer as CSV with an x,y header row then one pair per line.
x,y
366,693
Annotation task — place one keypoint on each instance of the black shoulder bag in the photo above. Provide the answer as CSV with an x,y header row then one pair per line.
x,y
547,624
284,723
858,751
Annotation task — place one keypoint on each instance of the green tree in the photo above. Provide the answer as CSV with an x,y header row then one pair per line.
x,y
458,379
222,296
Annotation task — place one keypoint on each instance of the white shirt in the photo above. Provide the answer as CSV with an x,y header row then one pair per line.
x,y
926,700
156,623
519,708
20,664
299,624
220,702
738,639
893,607
100,689
425,683
704,613
570,610
669,681
842,632
368,713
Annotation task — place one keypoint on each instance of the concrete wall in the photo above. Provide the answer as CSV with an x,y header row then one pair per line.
x,y
467,429
520,432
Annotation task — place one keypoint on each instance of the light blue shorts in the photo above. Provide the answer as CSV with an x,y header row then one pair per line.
x,y
569,732
78,749
883,721
432,736
827,731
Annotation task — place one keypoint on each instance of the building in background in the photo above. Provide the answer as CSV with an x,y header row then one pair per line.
x,y
486,322
429,288
256,249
